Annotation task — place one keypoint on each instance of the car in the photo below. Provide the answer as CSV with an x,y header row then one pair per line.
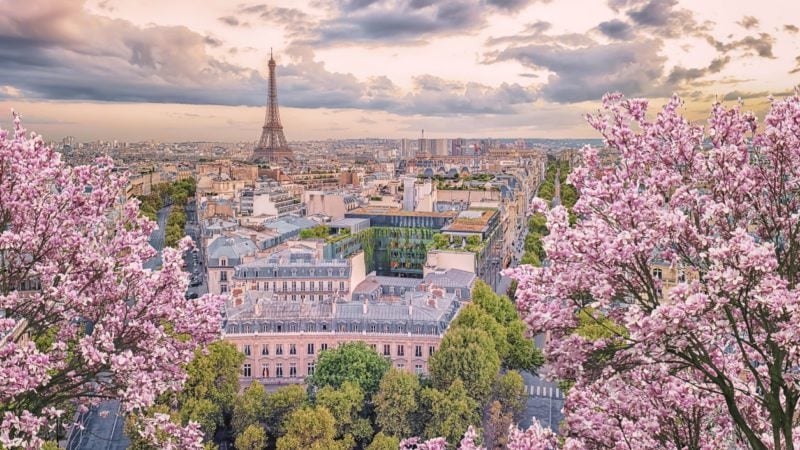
x,y
195,282
191,295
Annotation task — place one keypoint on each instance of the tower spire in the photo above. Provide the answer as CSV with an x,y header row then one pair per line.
x,y
272,146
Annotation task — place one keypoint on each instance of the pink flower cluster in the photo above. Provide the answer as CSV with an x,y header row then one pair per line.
x,y
82,317
689,243
534,438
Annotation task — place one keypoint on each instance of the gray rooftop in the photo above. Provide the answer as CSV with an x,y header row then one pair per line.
x,y
231,247
417,307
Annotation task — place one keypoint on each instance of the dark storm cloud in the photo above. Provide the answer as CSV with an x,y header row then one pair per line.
x,y
212,41
680,75
761,45
661,17
510,5
536,33
748,22
403,22
586,73
796,69
307,83
275,14
60,51
616,29
229,20
99,59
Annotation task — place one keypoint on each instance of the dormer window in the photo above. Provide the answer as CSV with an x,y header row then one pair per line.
x,y
223,261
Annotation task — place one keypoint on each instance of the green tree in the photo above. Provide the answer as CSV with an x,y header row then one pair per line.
x,y
474,317
440,241
522,351
310,428
249,408
538,224
384,442
179,197
280,404
468,355
351,361
204,412
346,405
317,232
396,403
214,376
509,390
252,438
448,413
498,307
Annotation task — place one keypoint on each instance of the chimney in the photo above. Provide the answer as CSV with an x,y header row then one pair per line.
x,y
432,302
410,309
364,309
254,238
257,308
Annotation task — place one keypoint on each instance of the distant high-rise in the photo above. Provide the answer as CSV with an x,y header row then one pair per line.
x,y
272,146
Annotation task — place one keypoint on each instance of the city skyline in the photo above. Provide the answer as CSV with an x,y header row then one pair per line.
x,y
514,68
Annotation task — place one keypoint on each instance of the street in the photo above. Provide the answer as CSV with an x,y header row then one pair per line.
x,y
192,264
104,426
157,238
545,399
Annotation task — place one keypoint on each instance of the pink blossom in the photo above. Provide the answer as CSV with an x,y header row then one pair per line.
x,y
117,329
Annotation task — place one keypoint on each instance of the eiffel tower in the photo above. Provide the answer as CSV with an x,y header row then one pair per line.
x,y
272,147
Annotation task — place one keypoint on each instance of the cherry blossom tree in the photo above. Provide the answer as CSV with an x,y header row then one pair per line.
x,y
82,319
710,357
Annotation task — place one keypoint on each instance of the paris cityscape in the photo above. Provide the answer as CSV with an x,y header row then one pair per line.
x,y
399,224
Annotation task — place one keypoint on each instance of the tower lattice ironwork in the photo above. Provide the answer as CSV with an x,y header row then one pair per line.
x,y
272,146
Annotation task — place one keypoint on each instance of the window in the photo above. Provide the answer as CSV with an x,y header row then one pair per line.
x,y
310,285
418,329
302,285
294,286
682,276
400,365
418,369
247,371
324,327
278,349
292,369
310,368
279,328
373,328
330,285
285,286
265,370
387,350
223,289
431,349
292,349
323,346
320,286
374,347
279,370
310,349
247,350
657,274
341,286
294,297
401,351
223,276
418,351
292,327
223,262
311,327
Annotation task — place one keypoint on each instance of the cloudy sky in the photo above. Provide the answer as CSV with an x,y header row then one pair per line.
x,y
196,70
